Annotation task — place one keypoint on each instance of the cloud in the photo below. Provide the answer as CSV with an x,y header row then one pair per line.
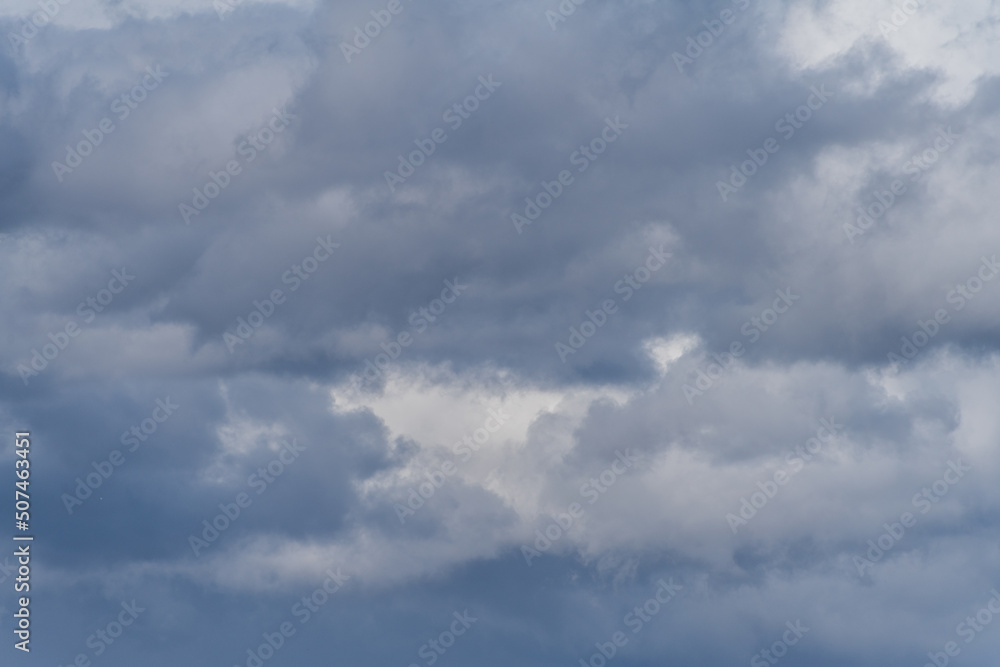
x,y
453,455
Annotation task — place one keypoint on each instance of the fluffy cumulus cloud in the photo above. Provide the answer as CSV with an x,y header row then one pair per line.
x,y
584,333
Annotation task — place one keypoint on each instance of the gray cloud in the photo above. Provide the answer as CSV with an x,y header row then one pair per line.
x,y
698,373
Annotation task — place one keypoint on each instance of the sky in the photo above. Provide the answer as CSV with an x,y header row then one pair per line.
x,y
579,332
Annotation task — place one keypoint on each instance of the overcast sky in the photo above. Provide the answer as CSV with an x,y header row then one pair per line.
x,y
613,331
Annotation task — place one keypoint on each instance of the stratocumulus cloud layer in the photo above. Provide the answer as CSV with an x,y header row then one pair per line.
x,y
537,333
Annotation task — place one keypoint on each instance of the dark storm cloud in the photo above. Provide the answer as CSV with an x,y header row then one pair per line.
x,y
536,96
